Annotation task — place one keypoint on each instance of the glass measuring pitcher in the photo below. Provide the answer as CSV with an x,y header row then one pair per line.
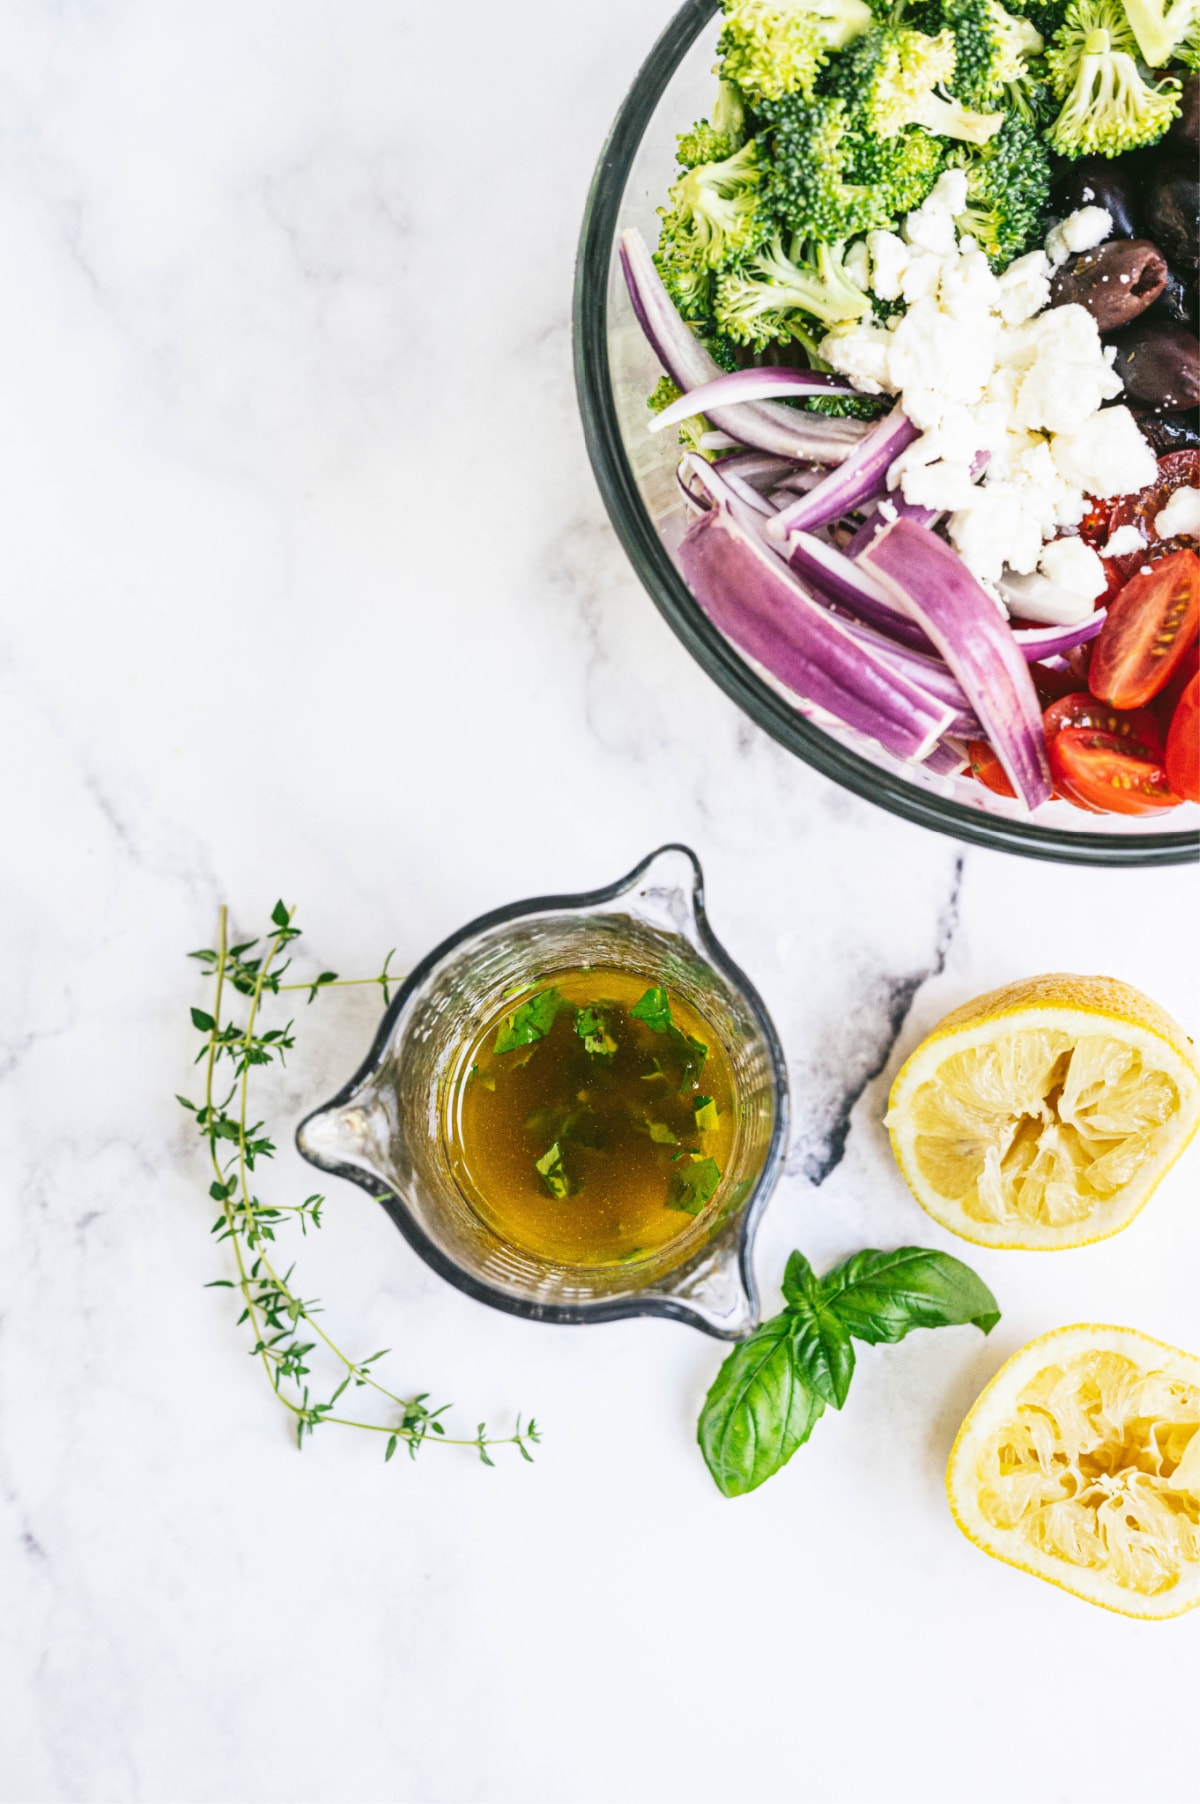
x,y
385,1129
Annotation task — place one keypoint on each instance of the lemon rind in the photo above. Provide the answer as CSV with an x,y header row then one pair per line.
x,y
1029,1560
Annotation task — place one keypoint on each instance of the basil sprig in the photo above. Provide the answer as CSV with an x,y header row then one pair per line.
x,y
773,1388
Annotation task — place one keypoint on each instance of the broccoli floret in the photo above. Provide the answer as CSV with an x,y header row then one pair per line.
x,y
1159,28
715,215
891,76
1108,106
992,48
758,302
775,47
663,395
1046,15
808,185
900,170
1008,186
712,140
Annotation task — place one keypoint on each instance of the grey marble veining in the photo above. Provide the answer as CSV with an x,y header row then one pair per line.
x,y
308,591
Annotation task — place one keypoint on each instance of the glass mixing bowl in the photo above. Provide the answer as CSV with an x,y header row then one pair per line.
x,y
615,370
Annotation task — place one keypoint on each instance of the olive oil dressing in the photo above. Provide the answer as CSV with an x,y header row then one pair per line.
x,y
592,1119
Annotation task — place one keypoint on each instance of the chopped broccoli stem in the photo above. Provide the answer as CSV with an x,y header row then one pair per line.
x,y
1159,28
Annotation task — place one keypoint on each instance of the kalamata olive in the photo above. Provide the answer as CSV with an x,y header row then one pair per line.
x,y
1171,210
1165,432
1184,134
1097,182
1159,363
1177,301
1115,282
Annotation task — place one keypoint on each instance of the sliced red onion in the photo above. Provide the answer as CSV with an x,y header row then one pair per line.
x,y
759,468
862,475
719,441
891,507
1038,642
736,386
947,759
749,593
805,438
961,618
746,492
928,673
848,583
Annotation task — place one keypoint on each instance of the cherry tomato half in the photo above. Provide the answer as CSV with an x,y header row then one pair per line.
x,y
1138,727
1148,632
1178,470
1183,745
987,769
1103,771
1165,704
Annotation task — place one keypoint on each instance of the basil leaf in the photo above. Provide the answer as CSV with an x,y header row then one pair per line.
x,y
691,1054
591,1024
654,1009
550,1167
694,1185
707,1116
883,1296
532,1021
758,1411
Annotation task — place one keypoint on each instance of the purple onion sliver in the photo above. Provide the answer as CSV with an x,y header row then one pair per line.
x,y
862,475
764,425
962,620
848,583
1038,642
752,597
947,759
737,386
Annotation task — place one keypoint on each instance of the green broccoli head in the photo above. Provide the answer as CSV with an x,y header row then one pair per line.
x,y
715,215
773,298
808,185
893,74
1008,186
900,171
1107,105
1161,29
775,47
712,140
992,48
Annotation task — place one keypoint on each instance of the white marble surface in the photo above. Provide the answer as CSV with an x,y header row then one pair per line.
x,y
309,591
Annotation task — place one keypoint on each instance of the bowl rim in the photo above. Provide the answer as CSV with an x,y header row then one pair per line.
x,y
738,1234
669,592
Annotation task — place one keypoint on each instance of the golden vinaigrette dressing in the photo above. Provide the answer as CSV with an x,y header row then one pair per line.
x,y
593,1119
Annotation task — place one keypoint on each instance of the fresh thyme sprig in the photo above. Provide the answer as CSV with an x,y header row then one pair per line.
x,y
280,1318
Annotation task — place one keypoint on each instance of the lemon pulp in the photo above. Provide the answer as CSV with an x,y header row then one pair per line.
x,y
1044,1114
1036,1128
1081,1464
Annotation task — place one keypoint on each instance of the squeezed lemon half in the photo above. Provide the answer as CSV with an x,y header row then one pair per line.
x,y
1080,1463
1043,1114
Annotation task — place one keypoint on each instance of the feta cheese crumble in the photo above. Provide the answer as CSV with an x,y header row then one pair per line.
x,y
996,381
1180,517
